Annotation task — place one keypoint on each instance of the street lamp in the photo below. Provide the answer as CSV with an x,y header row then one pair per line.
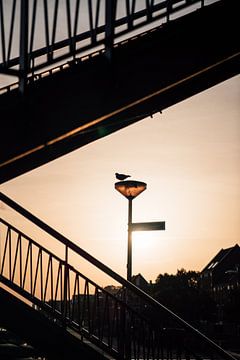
x,y
130,189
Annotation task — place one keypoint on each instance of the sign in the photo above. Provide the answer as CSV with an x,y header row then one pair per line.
x,y
148,226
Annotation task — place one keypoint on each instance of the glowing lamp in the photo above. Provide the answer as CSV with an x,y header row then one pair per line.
x,y
130,188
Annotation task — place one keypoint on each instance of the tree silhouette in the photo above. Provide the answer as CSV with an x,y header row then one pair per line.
x,y
181,294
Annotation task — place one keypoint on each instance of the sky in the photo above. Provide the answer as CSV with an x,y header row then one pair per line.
x,y
189,156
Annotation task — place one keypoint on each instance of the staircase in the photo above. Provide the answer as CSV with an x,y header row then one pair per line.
x,y
63,314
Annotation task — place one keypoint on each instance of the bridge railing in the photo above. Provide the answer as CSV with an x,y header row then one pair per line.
x,y
128,324
36,34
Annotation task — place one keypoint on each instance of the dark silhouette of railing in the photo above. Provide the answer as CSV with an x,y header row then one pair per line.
x,y
128,325
87,26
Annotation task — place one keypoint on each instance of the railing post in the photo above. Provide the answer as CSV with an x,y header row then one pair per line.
x,y
169,5
128,339
65,286
23,46
110,14
122,340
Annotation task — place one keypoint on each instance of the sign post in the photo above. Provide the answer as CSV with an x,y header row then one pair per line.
x,y
131,189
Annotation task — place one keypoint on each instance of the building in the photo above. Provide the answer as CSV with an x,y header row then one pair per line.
x,y
140,282
222,273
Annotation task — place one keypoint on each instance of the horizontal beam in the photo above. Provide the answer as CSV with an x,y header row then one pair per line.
x,y
148,226
6,71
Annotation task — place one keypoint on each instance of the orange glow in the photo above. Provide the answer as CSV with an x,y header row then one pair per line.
x,y
130,188
189,156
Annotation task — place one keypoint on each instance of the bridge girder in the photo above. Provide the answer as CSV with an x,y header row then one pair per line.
x,y
93,98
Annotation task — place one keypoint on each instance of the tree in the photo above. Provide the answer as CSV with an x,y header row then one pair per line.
x,y
181,294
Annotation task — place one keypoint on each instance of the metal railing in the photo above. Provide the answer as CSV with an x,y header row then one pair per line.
x,y
127,325
39,33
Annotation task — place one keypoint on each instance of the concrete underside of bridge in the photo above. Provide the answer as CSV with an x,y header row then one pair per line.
x,y
94,98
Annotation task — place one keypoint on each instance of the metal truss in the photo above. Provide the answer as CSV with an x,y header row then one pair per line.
x,y
36,34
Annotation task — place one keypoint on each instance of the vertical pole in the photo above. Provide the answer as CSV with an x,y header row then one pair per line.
x,y
129,278
65,286
23,46
111,6
168,9
129,255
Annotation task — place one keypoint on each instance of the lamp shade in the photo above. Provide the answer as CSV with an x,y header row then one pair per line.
x,y
130,188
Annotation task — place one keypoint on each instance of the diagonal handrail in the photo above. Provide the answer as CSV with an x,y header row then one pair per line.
x,y
64,268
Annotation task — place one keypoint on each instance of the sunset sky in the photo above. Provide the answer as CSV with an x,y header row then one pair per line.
x,y
189,156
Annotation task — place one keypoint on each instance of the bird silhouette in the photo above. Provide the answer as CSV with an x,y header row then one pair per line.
x,y
121,176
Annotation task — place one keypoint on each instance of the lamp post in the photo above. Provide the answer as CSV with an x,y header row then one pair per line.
x,y
130,189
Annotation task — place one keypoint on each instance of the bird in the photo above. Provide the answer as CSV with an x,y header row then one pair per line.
x,y
121,176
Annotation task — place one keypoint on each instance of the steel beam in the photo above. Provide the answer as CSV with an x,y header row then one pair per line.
x,y
23,46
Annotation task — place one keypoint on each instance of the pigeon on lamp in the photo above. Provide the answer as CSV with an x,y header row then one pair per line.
x,y
121,177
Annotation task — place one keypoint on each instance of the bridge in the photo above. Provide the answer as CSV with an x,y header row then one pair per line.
x,y
131,62
107,78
